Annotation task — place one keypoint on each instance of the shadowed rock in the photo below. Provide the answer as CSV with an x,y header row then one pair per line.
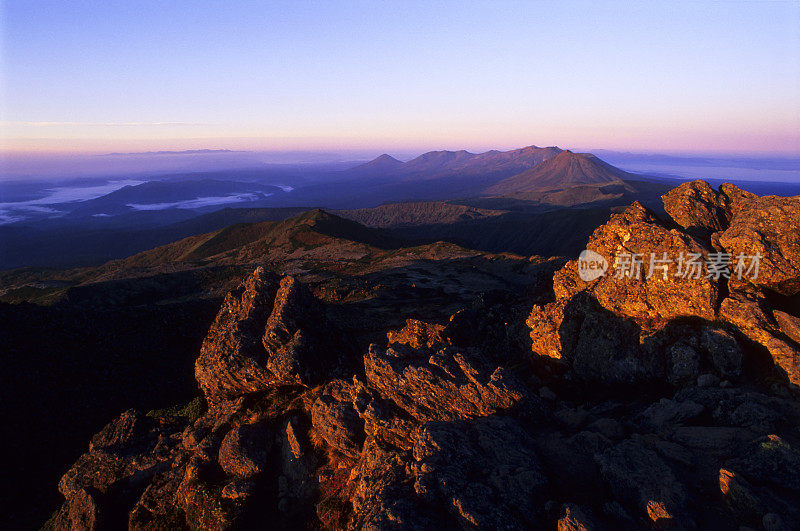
x,y
747,313
485,474
639,478
122,459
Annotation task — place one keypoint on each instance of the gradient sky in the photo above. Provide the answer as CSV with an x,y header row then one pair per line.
x,y
142,75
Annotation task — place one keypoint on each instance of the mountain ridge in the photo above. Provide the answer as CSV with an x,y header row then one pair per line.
x,y
251,238
436,163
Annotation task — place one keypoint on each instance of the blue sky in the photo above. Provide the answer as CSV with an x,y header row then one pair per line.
x,y
681,76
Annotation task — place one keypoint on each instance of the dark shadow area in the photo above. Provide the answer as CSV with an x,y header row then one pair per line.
x,y
70,369
604,349
557,233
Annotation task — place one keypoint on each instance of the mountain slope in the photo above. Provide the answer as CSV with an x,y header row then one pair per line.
x,y
555,233
434,162
516,160
83,244
416,213
250,241
382,164
565,170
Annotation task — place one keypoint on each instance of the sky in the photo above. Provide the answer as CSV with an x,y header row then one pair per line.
x,y
99,76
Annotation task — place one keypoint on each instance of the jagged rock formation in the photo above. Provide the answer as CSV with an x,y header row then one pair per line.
x,y
614,328
269,332
700,209
742,223
378,447
458,425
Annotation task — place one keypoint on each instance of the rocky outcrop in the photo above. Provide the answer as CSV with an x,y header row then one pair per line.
x,y
633,288
268,332
608,328
123,458
439,381
675,314
393,442
744,224
698,208
232,359
649,402
770,228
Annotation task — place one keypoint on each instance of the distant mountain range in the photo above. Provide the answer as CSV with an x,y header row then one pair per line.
x,y
521,173
491,165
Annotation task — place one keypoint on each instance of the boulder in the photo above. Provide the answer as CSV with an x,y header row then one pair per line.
x,y
156,508
80,511
627,291
724,352
698,208
268,333
336,420
769,481
788,324
751,319
123,457
381,495
438,381
721,441
666,413
684,364
243,452
740,495
770,228
770,460
577,518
